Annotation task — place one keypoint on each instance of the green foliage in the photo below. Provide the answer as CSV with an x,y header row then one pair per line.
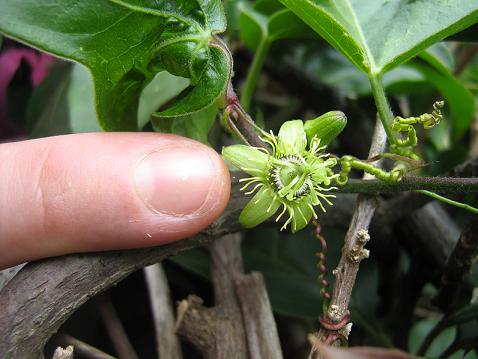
x,y
379,35
262,24
433,71
195,125
163,88
148,37
271,21
288,266
63,103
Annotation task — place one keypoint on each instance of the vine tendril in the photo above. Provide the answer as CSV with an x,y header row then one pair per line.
x,y
322,267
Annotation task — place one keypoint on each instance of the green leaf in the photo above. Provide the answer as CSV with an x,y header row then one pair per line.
x,y
440,57
47,109
469,76
379,35
163,88
461,101
268,21
124,44
288,264
210,90
419,332
80,97
63,103
194,260
471,355
461,315
252,26
441,343
196,125
187,11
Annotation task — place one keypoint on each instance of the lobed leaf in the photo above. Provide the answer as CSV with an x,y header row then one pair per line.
x,y
118,40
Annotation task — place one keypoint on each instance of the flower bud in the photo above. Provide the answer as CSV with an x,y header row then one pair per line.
x,y
326,127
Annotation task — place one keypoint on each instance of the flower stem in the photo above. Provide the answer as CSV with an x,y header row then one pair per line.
x,y
411,183
448,201
386,115
253,74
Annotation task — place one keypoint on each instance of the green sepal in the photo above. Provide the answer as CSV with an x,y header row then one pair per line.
x,y
295,209
261,207
326,127
248,159
292,137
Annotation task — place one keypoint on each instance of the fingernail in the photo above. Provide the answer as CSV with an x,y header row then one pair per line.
x,y
174,181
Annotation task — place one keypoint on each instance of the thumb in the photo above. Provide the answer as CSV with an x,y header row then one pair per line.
x,y
102,191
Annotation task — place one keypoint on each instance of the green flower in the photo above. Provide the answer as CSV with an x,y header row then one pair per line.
x,y
291,178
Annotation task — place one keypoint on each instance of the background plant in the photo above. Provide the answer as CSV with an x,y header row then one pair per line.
x,y
283,69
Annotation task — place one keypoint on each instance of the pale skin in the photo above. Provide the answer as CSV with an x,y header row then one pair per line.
x,y
104,191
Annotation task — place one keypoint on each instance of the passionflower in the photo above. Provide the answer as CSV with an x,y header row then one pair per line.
x,y
292,177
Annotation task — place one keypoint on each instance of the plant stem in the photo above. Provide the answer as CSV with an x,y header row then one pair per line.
x,y
411,183
386,115
448,201
253,74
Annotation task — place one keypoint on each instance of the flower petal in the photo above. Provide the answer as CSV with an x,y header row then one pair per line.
x,y
292,137
262,206
301,214
248,159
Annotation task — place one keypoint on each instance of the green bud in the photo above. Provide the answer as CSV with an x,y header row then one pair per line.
x,y
326,127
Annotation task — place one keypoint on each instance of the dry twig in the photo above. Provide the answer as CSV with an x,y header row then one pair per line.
x,y
241,324
163,313
335,327
218,332
83,349
115,329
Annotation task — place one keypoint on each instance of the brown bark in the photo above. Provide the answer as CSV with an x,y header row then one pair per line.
x,y
241,324
259,323
335,328
218,332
